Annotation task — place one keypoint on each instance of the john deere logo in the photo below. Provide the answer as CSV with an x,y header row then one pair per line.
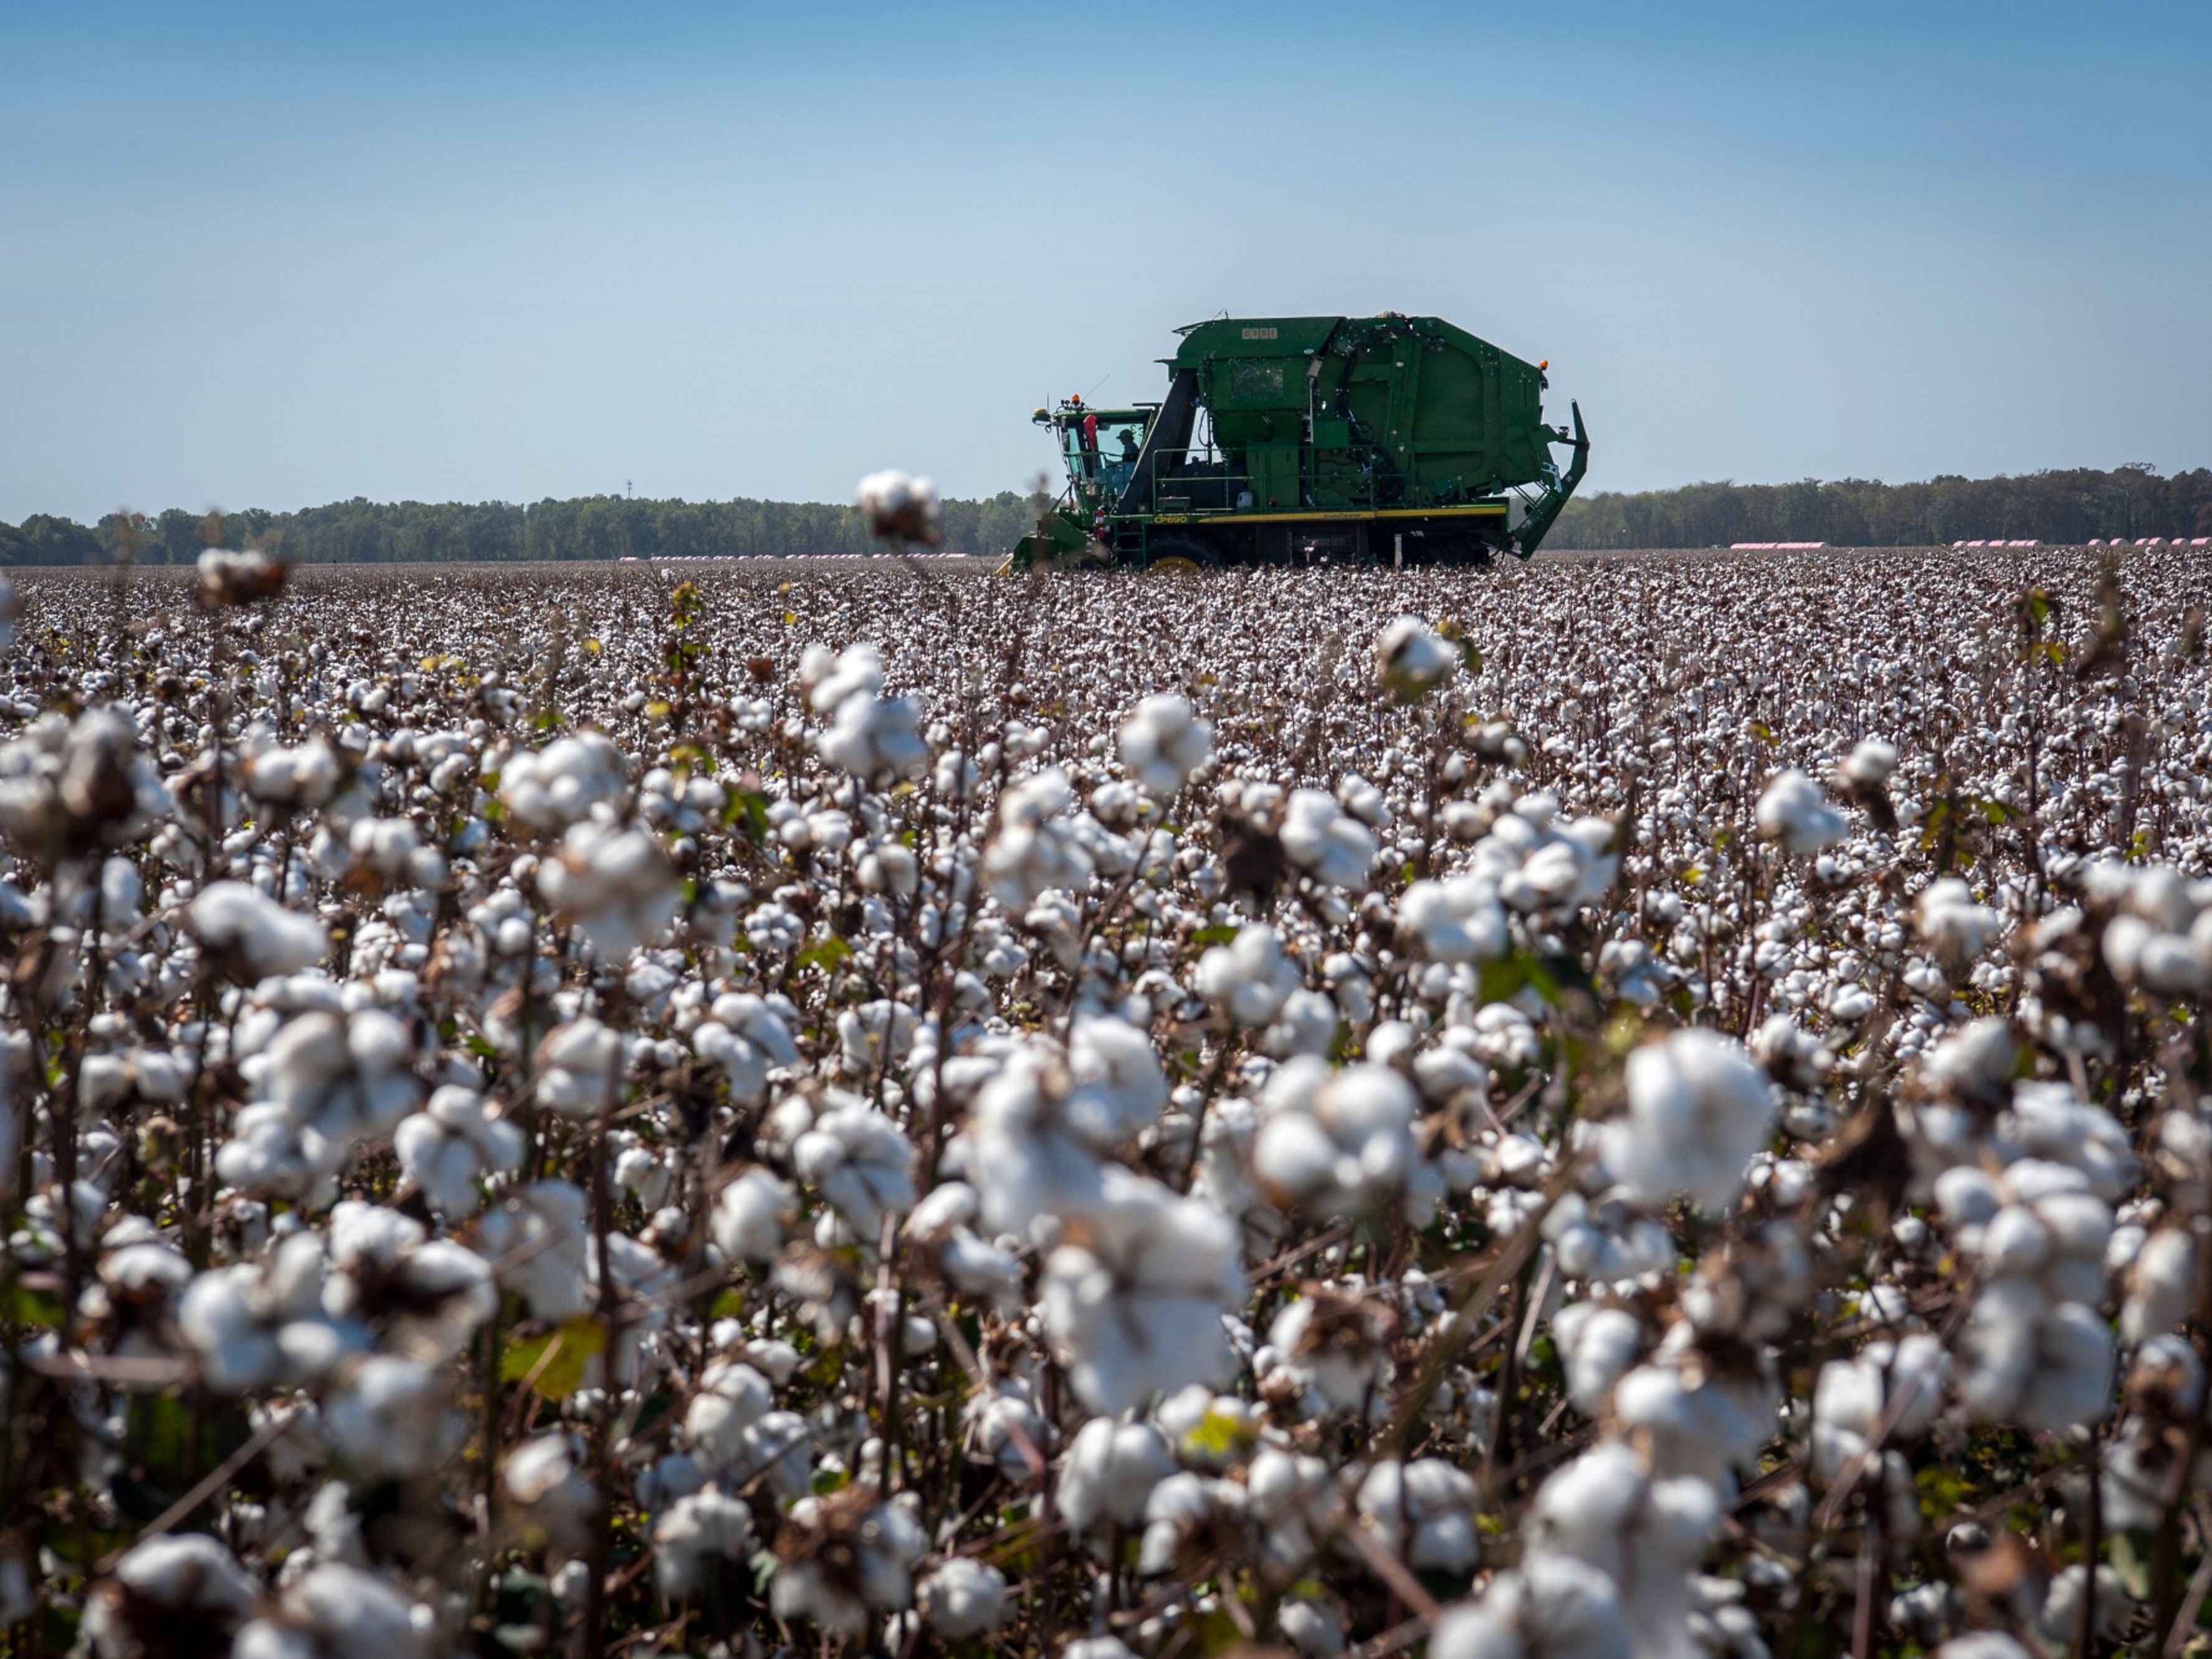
x,y
1259,333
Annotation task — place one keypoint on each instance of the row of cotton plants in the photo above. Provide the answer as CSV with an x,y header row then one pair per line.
x,y
1619,1110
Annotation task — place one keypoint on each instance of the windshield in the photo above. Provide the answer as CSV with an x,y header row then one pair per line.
x,y
1102,449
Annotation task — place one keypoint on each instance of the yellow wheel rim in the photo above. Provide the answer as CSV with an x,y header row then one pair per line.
x,y
1174,565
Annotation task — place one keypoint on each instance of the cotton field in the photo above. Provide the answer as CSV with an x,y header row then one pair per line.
x,y
1628,1108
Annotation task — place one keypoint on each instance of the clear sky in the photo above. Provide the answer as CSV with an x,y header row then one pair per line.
x,y
278,254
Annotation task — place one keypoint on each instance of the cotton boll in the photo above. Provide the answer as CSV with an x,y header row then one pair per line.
x,y
1119,1088
1411,660
1553,1607
262,937
1793,812
579,1067
559,784
615,885
874,737
1109,1472
732,1398
963,1598
750,1214
452,1145
1951,924
1422,1511
181,1587
1870,762
1597,1345
543,1477
861,1164
1698,1110
898,508
1329,844
391,1417
843,1555
1163,743
1456,920
1342,1139
2162,1288
1135,1307
1249,978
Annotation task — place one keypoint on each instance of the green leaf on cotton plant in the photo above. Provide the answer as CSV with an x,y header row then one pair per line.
x,y
553,1364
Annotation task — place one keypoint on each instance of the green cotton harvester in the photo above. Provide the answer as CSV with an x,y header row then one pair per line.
x,y
1311,439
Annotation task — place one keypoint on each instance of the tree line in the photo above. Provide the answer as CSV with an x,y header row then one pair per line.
x,y
362,531
2065,506
2056,507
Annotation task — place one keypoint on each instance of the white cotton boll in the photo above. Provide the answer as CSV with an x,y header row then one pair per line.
x,y
544,1476
559,784
391,1417
1870,762
829,678
2047,1366
1698,1108
178,1585
1327,844
1249,978
1983,1645
873,1036
579,1068
1109,1473
2055,1126
122,891
2161,1287
451,1146
1307,1025
1311,1629
1553,1607
963,1598
1458,919
233,919
1976,1060
1420,1511
1119,1088
898,508
750,1215
858,1159
1793,812
732,1398
1163,743
1951,924
1136,1309
1411,660
693,1533
537,1240
870,737
1597,1345
1365,1152
614,884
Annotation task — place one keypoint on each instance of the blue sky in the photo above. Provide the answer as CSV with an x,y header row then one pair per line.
x,y
274,255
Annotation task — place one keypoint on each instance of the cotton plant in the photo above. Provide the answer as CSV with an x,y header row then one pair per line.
x,y
1317,1106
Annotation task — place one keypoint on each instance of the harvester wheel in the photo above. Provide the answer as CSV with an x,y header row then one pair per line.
x,y
1178,556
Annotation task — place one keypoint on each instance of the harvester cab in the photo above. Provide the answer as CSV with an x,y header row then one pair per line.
x,y
1313,440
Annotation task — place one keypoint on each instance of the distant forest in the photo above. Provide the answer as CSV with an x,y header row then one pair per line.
x,y
2068,507
362,531
2064,507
